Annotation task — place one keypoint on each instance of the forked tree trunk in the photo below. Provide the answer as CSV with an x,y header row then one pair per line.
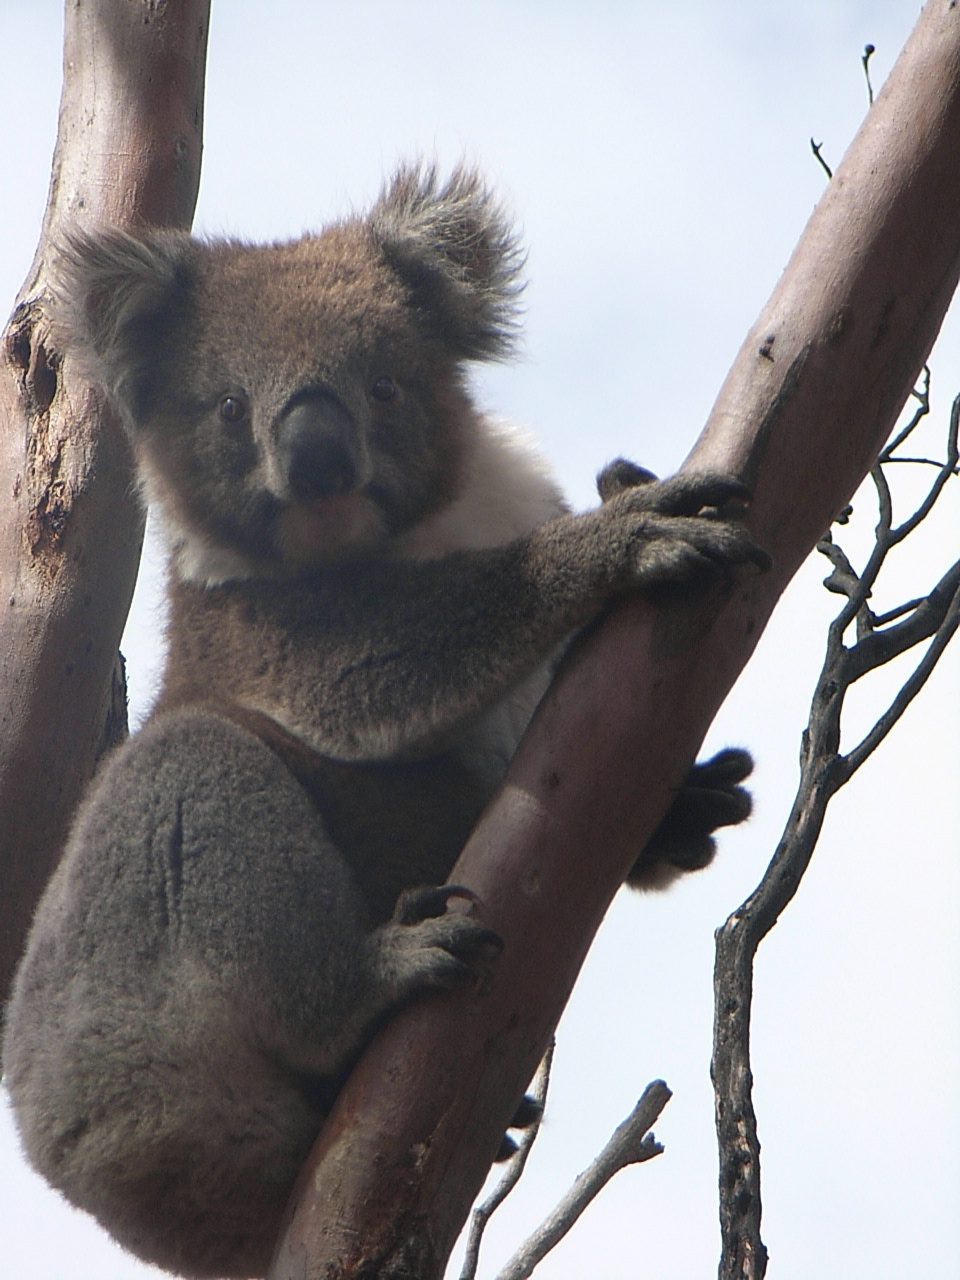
x,y
128,151
812,395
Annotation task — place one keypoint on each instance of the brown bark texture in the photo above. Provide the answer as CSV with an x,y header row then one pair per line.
x,y
809,401
128,152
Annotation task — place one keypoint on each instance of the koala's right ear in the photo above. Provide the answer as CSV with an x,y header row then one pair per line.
x,y
116,295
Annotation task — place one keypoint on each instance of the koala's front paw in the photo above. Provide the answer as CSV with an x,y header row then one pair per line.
x,y
426,946
711,797
684,529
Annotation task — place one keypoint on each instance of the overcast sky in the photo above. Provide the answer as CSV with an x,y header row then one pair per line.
x,y
657,157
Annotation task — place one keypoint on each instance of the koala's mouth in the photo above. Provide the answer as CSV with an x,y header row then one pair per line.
x,y
325,530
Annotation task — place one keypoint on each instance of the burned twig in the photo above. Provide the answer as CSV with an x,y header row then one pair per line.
x,y
878,639
868,51
815,148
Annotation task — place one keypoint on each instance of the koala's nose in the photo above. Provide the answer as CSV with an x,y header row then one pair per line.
x,y
317,446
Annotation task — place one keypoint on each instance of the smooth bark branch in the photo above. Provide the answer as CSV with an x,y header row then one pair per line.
x,y
128,151
811,397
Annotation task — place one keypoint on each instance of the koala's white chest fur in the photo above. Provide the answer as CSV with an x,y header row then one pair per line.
x,y
510,490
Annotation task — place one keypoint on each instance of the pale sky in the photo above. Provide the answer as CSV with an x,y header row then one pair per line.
x,y
657,157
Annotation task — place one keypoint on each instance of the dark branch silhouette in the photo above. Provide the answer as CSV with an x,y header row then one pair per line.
x,y
824,770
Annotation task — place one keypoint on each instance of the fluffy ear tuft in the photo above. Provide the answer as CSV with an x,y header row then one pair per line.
x,y
454,247
116,294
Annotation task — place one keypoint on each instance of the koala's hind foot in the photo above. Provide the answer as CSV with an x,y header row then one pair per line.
x,y
426,946
527,1114
711,797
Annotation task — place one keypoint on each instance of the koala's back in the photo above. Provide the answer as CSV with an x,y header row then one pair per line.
x,y
186,993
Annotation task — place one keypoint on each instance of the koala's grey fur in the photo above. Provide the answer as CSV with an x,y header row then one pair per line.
x,y
369,580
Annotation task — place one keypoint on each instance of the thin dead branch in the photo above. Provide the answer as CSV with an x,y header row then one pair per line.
x,y
631,1143
868,51
816,148
878,639
483,1212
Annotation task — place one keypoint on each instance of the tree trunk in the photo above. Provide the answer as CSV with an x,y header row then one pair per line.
x,y
128,152
812,395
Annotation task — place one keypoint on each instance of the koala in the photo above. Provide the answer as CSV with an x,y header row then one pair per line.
x,y
370,583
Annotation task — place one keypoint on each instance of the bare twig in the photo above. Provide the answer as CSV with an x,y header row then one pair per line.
x,y
823,771
942,617
631,1143
815,148
920,393
868,51
483,1212
947,469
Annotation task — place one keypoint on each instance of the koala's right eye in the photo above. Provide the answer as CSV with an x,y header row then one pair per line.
x,y
232,409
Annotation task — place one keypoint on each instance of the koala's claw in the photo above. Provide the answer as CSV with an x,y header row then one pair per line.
x,y
428,901
619,475
426,947
528,1111
692,492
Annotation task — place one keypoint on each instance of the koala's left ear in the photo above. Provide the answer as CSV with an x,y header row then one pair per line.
x,y
454,248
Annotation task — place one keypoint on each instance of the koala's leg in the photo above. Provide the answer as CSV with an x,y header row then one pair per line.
x,y
201,955
711,796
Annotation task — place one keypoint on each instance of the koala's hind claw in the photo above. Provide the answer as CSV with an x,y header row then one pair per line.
x,y
726,768
528,1112
425,947
429,901
690,492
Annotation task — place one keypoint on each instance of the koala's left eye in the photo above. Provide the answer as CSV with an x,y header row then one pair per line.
x,y
384,388
232,409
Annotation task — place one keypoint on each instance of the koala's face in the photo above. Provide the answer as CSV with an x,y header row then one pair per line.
x,y
295,410
293,405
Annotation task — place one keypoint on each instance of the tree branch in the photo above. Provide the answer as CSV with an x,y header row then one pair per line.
x,y
824,770
810,400
128,151
631,1143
